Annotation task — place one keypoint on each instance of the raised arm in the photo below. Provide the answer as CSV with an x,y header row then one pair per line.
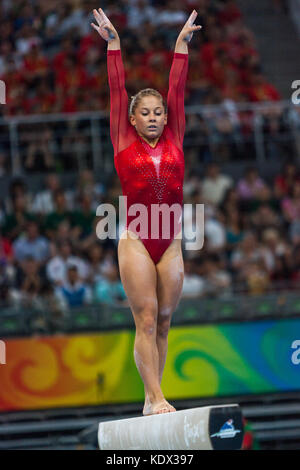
x,y
120,128
177,79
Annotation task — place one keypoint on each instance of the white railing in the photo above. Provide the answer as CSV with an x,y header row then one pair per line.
x,y
83,139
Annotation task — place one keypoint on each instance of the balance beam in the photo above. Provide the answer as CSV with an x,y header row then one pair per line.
x,y
206,428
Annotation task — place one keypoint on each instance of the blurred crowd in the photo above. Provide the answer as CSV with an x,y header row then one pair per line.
x,y
54,253
251,233
53,61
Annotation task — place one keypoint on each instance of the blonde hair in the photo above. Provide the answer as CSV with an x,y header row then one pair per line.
x,y
136,99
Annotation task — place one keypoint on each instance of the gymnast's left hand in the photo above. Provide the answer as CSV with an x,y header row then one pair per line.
x,y
187,31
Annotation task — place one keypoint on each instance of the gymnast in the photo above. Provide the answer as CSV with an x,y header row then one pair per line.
x,y
147,138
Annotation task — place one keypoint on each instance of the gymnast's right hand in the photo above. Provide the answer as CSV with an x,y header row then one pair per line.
x,y
105,27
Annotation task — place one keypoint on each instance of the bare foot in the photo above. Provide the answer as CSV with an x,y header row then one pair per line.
x,y
157,408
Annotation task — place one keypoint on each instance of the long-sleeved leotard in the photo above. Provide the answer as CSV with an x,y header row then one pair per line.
x,y
141,181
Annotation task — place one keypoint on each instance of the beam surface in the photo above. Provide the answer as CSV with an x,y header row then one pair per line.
x,y
205,428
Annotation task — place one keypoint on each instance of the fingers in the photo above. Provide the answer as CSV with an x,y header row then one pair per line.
x,y
189,30
195,27
95,27
192,18
100,17
97,16
103,15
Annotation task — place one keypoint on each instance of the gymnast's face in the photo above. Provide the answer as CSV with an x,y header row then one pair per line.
x,y
149,117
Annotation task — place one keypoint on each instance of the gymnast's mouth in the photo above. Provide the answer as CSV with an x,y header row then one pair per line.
x,y
152,128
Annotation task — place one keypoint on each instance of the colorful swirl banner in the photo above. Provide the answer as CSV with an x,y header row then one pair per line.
x,y
202,361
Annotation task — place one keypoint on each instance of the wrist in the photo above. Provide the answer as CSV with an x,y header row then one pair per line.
x,y
114,45
181,46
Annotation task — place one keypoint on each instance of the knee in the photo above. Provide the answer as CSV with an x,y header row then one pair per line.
x,y
147,320
163,323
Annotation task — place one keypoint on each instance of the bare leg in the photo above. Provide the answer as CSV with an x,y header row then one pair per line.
x,y
170,273
139,278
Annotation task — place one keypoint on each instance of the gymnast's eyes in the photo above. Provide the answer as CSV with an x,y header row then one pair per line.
x,y
156,112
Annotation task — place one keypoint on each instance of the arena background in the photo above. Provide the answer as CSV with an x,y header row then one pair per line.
x,y
69,337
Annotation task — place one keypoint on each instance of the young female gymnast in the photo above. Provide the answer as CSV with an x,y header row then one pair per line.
x,y
149,160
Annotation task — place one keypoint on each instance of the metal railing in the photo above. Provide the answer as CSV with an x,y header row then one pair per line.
x,y
230,131
19,321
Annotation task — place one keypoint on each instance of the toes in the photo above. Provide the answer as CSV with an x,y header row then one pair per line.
x,y
162,410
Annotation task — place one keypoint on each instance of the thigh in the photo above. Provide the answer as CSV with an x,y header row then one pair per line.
x,y
138,275
170,273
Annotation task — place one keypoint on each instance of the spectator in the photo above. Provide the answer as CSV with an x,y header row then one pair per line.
x,y
257,277
28,281
215,184
15,222
6,281
294,232
53,305
138,13
83,219
43,202
291,205
261,90
234,230
60,214
265,217
295,266
251,185
215,232
285,181
96,259
17,188
192,184
35,65
109,289
193,284
40,153
6,250
57,267
73,293
170,14
264,197
249,251
230,201
217,281
88,186
31,244
282,254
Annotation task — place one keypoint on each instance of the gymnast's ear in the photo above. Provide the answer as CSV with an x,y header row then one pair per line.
x,y
132,119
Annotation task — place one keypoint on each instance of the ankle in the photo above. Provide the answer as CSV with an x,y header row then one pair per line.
x,y
155,397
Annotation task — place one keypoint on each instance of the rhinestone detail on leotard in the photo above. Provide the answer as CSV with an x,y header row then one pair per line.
x,y
158,183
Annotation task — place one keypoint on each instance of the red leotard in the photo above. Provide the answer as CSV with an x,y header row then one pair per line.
x,y
132,155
